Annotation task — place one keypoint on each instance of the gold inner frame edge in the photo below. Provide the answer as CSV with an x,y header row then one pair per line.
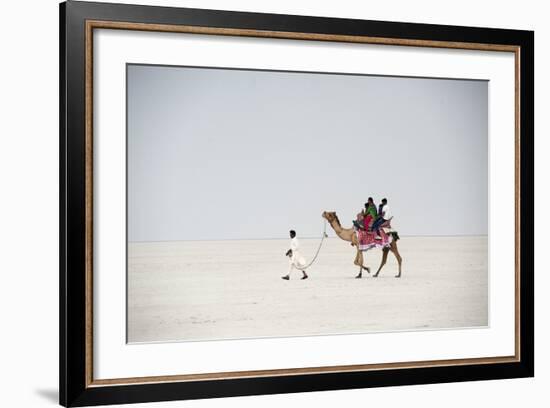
x,y
92,24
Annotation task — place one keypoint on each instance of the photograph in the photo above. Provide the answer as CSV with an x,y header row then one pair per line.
x,y
271,204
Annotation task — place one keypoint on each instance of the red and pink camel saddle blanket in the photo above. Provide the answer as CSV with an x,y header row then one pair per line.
x,y
368,240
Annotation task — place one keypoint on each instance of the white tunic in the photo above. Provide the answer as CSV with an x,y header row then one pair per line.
x,y
297,260
386,211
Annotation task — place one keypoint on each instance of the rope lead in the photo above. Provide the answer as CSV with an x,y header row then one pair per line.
x,y
318,249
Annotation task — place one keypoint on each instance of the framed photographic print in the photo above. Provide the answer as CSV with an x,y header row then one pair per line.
x,y
256,203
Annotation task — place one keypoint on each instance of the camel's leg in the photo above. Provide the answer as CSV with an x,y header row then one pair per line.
x,y
397,256
385,253
361,259
359,262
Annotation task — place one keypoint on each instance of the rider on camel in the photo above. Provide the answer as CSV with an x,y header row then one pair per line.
x,y
366,217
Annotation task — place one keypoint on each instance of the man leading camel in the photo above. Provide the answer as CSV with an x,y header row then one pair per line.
x,y
296,260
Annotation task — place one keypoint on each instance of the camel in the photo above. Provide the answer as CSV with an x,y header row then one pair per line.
x,y
348,234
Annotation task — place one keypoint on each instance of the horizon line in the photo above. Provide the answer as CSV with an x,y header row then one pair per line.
x,y
305,237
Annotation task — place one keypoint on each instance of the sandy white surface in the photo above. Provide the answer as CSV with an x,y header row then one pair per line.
x,y
205,290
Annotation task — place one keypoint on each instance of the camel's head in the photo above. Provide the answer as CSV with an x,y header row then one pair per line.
x,y
329,216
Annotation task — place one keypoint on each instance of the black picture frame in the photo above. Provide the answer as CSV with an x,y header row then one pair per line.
x,y
75,388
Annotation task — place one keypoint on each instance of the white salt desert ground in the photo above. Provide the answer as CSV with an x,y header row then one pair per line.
x,y
206,290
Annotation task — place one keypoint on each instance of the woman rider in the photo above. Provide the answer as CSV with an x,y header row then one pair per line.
x,y
370,214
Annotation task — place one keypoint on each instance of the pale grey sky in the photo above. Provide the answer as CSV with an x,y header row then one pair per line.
x,y
240,154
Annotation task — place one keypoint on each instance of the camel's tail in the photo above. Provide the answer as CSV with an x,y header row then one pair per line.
x,y
395,236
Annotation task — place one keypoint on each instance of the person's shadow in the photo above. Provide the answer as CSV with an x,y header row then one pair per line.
x,y
51,395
